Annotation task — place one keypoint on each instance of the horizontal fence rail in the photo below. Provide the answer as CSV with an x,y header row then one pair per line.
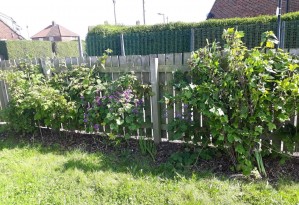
x,y
155,70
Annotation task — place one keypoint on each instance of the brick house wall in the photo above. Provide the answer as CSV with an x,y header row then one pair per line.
x,y
249,8
7,33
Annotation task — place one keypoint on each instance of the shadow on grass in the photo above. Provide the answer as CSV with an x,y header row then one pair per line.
x,y
118,161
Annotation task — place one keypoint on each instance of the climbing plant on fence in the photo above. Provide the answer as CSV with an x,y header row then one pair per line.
x,y
242,94
78,99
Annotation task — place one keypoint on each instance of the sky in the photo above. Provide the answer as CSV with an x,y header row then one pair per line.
x,y
33,15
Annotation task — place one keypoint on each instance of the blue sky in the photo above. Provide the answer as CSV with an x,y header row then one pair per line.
x,y
78,15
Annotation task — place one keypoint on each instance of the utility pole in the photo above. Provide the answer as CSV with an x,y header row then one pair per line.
x,y
114,12
287,7
279,23
143,12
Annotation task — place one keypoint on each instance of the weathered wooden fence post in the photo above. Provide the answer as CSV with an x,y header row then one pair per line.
x,y
156,117
80,47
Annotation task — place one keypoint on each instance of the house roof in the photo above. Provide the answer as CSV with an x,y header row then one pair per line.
x,y
7,33
55,30
249,8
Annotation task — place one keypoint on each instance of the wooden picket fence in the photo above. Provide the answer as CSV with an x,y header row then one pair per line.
x,y
155,70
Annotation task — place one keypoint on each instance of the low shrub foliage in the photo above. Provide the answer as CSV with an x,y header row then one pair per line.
x,y
242,94
80,98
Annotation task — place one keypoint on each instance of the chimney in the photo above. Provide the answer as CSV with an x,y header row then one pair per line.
x,y
53,23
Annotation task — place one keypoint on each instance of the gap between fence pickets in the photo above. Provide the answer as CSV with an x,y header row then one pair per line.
x,y
154,79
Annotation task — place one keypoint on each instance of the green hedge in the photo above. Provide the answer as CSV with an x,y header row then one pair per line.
x,y
3,49
68,49
21,49
38,49
175,37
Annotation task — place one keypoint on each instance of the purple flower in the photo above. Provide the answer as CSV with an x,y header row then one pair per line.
x,y
96,127
127,94
135,111
178,116
85,118
98,100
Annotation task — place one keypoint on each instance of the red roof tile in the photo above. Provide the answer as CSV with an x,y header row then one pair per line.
x,y
7,33
55,30
249,8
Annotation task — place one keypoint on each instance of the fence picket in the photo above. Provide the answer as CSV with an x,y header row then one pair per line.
x,y
157,71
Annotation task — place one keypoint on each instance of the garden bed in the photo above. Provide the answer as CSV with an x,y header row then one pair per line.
x,y
219,163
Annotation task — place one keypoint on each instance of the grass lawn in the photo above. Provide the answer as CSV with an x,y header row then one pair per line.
x,y
32,174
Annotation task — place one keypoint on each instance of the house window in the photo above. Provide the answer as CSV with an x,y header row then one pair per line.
x,y
51,38
40,39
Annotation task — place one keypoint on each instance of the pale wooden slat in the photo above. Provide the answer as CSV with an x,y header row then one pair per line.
x,y
178,59
169,59
173,68
88,62
155,100
74,61
108,62
137,59
56,62
2,104
4,94
68,62
115,61
139,76
161,59
145,63
130,61
186,57
2,64
123,69
122,61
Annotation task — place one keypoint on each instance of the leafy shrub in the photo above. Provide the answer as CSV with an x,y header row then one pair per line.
x,y
79,98
32,101
243,95
119,105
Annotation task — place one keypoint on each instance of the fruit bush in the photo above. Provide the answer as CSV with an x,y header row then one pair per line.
x,y
79,98
242,94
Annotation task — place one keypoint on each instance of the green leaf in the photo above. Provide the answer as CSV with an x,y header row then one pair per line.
x,y
231,138
119,121
240,149
271,126
259,129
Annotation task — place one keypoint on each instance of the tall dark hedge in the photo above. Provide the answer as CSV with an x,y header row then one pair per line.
x,y
175,37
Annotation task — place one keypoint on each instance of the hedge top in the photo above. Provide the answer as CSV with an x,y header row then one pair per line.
x,y
107,30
